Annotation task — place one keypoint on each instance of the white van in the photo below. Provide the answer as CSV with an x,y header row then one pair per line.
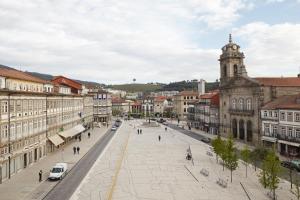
x,y
58,171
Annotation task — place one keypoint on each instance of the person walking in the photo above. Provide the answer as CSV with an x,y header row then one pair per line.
x,y
166,128
141,131
78,149
40,175
159,138
89,134
74,150
79,137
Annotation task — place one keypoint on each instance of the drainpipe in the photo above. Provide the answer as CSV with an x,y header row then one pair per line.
x,y
9,145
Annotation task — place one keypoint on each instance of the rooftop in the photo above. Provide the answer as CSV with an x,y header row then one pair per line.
x,y
279,81
284,102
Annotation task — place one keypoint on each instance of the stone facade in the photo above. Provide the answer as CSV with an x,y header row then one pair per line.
x,y
242,97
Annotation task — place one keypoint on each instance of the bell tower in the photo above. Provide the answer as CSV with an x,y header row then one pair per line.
x,y
231,62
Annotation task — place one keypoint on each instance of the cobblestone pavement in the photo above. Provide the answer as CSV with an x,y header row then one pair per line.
x,y
142,167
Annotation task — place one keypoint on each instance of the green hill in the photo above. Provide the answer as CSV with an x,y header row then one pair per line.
x,y
136,87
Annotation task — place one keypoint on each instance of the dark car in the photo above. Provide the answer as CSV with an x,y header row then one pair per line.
x,y
205,140
289,165
118,120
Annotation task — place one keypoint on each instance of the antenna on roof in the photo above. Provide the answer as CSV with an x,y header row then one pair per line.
x,y
230,38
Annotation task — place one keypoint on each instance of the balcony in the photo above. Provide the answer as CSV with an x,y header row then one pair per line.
x,y
241,112
288,138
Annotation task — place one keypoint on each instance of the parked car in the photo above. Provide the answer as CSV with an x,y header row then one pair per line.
x,y
205,140
165,123
114,128
294,165
58,171
118,120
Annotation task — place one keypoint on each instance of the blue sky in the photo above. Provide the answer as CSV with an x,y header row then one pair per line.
x,y
153,41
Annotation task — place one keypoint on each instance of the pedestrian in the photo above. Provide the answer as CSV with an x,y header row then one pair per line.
x,y
89,134
74,150
159,138
140,131
40,175
79,137
78,149
166,128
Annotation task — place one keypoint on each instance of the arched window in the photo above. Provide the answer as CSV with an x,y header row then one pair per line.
x,y
235,70
234,104
241,104
249,104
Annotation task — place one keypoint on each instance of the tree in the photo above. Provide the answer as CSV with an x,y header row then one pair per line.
x,y
271,169
245,153
231,158
257,155
296,191
218,146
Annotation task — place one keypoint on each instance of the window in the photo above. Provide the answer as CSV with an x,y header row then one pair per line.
x,y
290,132
19,106
283,131
249,104
275,114
265,114
184,103
275,130
234,104
184,110
297,117
298,133
241,104
225,71
282,116
4,106
270,113
290,116
235,70
267,129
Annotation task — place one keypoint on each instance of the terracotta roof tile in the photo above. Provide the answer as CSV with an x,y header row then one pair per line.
x,y
16,74
279,81
284,102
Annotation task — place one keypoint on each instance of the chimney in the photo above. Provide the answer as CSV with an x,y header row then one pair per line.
x,y
201,87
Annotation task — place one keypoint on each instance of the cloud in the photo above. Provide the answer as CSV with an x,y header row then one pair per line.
x,y
114,41
272,50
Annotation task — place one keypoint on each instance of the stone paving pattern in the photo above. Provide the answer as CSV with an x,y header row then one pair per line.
x,y
156,170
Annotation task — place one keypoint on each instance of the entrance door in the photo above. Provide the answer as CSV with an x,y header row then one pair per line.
x,y
25,160
35,155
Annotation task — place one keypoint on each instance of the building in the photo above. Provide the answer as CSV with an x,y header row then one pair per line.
x,y
241,97
34,120
136,109
281,125
148,106
181,102
164,93
160,104
102,105
75,87
120,106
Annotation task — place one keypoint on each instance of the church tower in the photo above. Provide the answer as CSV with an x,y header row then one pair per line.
x,y
231,62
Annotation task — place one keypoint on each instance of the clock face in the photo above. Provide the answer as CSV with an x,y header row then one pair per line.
x,y
234,47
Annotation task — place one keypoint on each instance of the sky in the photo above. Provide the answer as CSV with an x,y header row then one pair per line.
x,y
115,41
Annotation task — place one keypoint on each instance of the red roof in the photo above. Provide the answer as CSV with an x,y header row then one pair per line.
x,y
117,100
160,98
284,102
279,81
66,81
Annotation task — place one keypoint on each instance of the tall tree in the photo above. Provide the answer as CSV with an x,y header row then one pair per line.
x,y
271,170
231,158
218,146
245,153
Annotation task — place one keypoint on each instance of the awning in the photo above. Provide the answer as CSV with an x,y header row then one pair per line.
x,y
72,131
56,139
289,143
269,139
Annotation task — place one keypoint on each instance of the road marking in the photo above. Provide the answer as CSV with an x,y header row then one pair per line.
x,y
191,173
115,178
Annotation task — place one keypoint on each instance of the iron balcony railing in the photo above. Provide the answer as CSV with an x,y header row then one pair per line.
x,y
241,111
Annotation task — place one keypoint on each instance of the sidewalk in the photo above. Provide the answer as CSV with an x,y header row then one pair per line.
x,y
25,184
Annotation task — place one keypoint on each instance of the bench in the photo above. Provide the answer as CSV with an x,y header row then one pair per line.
x,y
204,172
222,183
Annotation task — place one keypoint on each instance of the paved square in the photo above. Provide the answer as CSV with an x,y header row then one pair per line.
x,y
150,169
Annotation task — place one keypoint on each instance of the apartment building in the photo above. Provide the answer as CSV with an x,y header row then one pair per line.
x,y
182,101
281,125
34,120
147,106
102,105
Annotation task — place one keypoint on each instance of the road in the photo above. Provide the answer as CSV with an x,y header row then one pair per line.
x,y
186,132
66,187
